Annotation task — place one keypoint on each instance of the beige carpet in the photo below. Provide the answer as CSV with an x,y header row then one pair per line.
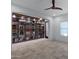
x,y
40,49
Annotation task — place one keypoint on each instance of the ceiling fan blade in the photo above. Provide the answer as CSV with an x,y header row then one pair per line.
x,y
48,8
57,8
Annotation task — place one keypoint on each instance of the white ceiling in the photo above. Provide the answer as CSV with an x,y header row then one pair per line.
x,y
40,5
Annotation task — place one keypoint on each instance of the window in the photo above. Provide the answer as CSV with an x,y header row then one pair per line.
x,y
64,28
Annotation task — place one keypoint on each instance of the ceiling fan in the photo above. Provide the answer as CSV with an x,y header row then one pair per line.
x,y
54,7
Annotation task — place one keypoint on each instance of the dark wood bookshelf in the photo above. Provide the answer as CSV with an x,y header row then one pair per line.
x,y
25,28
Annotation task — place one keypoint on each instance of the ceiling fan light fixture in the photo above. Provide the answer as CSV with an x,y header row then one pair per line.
x,y
53,7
